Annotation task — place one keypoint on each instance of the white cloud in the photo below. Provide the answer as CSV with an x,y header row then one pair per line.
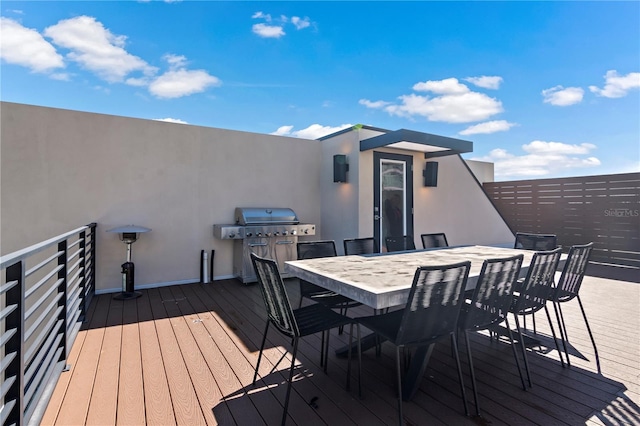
x,y
561,96
542,159
459,108
283,131
455,103
448,86
171,120
260,15
95,48
175,61
26,47
557,148
314,131
488,127
617,86
268,31
373,104
487,82
300,23
178,83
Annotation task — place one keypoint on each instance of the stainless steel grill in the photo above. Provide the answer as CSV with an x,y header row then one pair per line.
x,y
267,232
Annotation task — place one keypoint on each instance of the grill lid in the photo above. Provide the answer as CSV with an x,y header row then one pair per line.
x,y
265,216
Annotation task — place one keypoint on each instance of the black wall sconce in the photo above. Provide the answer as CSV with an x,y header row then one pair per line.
x,y
340,168
430,173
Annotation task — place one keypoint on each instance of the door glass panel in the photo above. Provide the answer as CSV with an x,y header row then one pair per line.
x,y
392,197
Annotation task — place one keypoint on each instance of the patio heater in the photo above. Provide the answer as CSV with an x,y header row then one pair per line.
x,y
128,235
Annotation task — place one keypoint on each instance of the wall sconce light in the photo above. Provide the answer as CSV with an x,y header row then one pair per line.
x,y
340,168
430,173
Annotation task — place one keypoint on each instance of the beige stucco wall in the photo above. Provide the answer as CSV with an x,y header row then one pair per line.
x,y
482,170
61,169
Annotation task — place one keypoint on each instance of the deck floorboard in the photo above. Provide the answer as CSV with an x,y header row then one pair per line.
x,y
186,355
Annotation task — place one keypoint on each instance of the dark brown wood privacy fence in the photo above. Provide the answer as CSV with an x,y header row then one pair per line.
x,y
604,209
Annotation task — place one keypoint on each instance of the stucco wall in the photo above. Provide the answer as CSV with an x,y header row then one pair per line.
x,y
61,169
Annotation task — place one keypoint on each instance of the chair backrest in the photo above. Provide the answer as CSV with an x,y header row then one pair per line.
x,y
538,284
434,240
434,303
493,294
538,242
275,296
367,245
316,249
404,242
573,272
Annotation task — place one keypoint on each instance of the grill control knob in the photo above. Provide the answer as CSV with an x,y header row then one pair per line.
x,y
249,234
285,232
306,231
232,234
276,233
258,234
268,234
294,232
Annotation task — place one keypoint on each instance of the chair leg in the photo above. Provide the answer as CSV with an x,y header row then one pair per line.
x,y
515,353
399,378
264,339
553,332
524,350
593,342
457,358
326,350
293,363
473,374
563,331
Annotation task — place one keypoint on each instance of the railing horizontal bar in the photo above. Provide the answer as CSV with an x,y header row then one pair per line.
x,y
30,413
52,341
73,244
72,307
51,327
8,286
73,320
6,385
45,313
7,335
6,360
6,311
37,379
42,299
6,409
73,281
75,254
16,256
43,263
72,268
40,283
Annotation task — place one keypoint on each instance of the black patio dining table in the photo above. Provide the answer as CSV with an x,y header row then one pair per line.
x,y
384,280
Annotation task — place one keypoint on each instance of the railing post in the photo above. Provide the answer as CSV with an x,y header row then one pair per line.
x,y
82,276
91,274
15,320
62,288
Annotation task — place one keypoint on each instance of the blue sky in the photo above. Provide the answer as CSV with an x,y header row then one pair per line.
x,y
542,89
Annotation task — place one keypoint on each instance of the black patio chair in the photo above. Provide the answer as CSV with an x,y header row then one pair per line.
x,y
434,240
490,305
537,242
292,323
567,289
401,243
367,245
331,299
536,288
431,314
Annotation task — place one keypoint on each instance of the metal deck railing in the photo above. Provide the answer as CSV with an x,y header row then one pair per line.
x,y
44,292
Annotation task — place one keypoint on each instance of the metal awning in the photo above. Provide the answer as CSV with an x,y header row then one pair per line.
x,y
431,145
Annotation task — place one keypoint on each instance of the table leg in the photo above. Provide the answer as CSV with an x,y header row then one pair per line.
x,y
414,374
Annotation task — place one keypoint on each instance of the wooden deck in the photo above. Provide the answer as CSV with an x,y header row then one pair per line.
x,y
186,355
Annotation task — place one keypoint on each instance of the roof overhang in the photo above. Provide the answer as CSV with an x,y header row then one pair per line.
x,y
431,145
